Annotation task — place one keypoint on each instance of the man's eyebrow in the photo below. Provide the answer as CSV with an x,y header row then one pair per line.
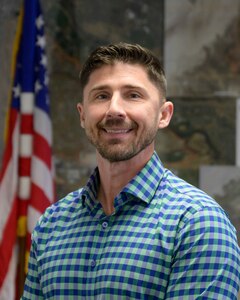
x,y
135,87
132,86
98,88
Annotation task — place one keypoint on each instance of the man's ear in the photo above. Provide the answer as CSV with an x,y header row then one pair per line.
x,y
166,114
81,114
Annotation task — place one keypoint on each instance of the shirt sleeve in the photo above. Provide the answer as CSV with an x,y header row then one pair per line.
x,y
206,259
32,288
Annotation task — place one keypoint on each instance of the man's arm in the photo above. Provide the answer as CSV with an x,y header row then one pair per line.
x,y
206,264
32,289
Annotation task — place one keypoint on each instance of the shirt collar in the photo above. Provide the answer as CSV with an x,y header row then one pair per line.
x,y
89,192
143,186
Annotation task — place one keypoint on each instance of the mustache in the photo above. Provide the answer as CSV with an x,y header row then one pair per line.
x,y
117,122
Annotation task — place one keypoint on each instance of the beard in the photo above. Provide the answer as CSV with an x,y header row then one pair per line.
x,y
115,150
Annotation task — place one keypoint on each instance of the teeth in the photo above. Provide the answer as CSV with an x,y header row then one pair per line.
x,y
117,131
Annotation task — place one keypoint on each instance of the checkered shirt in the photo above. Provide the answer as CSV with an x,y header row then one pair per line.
x,y
165,240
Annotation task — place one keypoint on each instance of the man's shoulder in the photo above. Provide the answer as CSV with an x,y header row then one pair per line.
x,y
183,205
184,197
61,210
67,202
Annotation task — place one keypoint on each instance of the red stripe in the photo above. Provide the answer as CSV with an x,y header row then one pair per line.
x,y
22,207
24,166
8,242
42,149
26,124
39,200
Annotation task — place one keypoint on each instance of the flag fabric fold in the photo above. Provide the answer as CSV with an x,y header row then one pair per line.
x,y
26,178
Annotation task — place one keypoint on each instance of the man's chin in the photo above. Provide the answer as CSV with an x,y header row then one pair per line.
x,y
117,156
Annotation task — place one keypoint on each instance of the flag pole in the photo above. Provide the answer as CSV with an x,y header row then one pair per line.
x,y
21,275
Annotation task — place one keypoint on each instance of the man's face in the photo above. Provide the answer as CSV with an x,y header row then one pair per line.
x,y
122,111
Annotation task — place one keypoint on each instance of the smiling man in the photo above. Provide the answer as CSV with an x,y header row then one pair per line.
x,y
135,231
123,111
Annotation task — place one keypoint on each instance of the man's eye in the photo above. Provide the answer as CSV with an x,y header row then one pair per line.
x,y
135,95
101,96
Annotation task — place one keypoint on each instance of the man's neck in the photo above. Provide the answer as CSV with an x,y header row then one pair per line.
x,y
114,176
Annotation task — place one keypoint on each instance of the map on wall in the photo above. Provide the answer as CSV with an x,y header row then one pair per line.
x,y
202,45
223,184
202,132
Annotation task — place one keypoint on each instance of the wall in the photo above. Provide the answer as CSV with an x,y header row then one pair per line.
x,y
199,45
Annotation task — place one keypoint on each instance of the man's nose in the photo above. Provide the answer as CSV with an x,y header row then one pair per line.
x,y
116,107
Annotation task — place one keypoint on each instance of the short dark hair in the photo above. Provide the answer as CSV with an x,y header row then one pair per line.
x,y
126,53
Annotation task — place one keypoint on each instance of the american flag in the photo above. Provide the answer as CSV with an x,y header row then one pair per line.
x,y
26,178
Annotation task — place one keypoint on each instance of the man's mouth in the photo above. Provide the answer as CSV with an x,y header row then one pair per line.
x,y
117,131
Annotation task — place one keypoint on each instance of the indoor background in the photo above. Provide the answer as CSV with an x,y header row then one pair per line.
x,y
198,42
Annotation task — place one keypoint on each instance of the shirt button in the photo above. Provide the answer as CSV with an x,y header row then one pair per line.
x,y
93,263
104,225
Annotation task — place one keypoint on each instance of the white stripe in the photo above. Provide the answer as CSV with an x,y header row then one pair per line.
x,y
26,141
42,177
27,103
7,291
8,185
42,124
33,216
24,187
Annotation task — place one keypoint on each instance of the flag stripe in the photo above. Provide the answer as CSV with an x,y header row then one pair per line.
x,y
27,103
27,123
7,156
24,166
8,241
42,176
22,208
42,125
39,193
6,290
24,185
8,186
33,215
42,150
26,142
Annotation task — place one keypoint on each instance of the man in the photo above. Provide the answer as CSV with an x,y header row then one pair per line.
x,y
135,231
